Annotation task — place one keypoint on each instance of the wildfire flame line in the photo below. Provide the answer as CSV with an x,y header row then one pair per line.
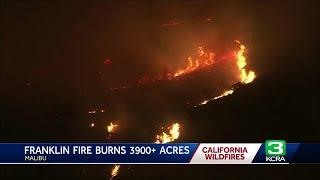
x,y
202,60
226,93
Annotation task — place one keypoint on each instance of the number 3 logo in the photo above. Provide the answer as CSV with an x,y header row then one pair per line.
x,y
275,147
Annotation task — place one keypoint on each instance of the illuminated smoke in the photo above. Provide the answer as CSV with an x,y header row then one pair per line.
x,y
174,132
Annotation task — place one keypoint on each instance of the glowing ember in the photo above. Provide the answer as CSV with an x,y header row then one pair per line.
x,y
173,134
170,24
118,88
107,62
28,84
245,77
111,128
92,112
115,171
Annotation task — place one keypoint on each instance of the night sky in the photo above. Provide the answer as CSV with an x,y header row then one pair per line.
x,y
53,72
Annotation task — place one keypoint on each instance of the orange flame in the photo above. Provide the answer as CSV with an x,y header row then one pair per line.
x,y
115,171
245,77
204,59
111,128
174,132
225,93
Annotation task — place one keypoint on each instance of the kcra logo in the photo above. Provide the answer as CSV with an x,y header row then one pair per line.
x,y
275,150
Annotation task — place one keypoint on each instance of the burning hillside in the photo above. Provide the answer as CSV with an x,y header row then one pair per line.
x,y
204,75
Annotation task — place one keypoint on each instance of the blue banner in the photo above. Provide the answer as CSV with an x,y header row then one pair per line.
x,y
97,153
273,151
